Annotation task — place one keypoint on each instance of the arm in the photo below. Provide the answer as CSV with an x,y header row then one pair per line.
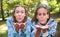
x,y
10,28
37,33
28,27
33,30
52,30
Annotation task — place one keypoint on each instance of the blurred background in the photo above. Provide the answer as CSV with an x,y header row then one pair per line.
x,y
7,7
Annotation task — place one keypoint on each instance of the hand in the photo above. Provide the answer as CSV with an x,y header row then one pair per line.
x,y
19,26
16,26
38,31
22,25
38,28
45,28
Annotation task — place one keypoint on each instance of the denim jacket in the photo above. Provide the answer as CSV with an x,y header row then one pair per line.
x,y
12,32
51,31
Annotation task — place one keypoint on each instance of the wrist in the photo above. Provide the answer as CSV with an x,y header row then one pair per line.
x,y
38,32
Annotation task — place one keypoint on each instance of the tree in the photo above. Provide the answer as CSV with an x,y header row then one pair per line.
x,y
2,12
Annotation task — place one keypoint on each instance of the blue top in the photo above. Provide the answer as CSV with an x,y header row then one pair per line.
x,y
12,32
51,31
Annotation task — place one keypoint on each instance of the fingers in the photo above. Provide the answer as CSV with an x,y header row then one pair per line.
x,y
16,26
14,23
19,25
42,28
25,23
22,26
37,27
45,28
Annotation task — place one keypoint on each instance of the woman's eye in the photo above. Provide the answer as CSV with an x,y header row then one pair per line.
x,y
39,14
44,14
22,11
17,12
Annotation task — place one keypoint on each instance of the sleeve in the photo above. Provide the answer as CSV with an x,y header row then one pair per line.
x,y
52,30
28,31
33,30
10,29
28,28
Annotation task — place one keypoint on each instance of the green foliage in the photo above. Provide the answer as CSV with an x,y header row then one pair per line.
x,y
54,6
8,5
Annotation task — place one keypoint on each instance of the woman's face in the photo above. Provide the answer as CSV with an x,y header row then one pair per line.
x,y
42,15
19,14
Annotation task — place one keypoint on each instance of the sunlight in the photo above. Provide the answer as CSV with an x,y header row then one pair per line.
x,y
58,19
3,28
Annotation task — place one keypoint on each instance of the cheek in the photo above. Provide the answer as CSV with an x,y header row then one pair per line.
x,y
37,17
47,16
16,15
23,15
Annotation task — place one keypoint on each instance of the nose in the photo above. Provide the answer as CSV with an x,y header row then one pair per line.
x,y
19,13
42,16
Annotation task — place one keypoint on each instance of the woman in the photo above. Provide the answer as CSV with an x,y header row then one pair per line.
x,y
43,24
19,24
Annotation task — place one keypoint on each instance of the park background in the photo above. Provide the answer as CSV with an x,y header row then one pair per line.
x,y
7,7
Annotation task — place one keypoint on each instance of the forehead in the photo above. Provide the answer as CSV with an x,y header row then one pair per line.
x,y
42,10
19,8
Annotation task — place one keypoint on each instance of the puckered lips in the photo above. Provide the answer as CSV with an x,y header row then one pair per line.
x,y
19,18
41,20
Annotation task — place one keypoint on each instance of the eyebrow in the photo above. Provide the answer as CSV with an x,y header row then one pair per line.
x,y
18,10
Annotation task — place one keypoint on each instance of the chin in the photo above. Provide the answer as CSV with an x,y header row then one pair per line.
x,y
19,20
42,22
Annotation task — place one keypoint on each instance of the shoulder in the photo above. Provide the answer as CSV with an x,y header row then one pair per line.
x,y
28,19
52,21
29,23
10,19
